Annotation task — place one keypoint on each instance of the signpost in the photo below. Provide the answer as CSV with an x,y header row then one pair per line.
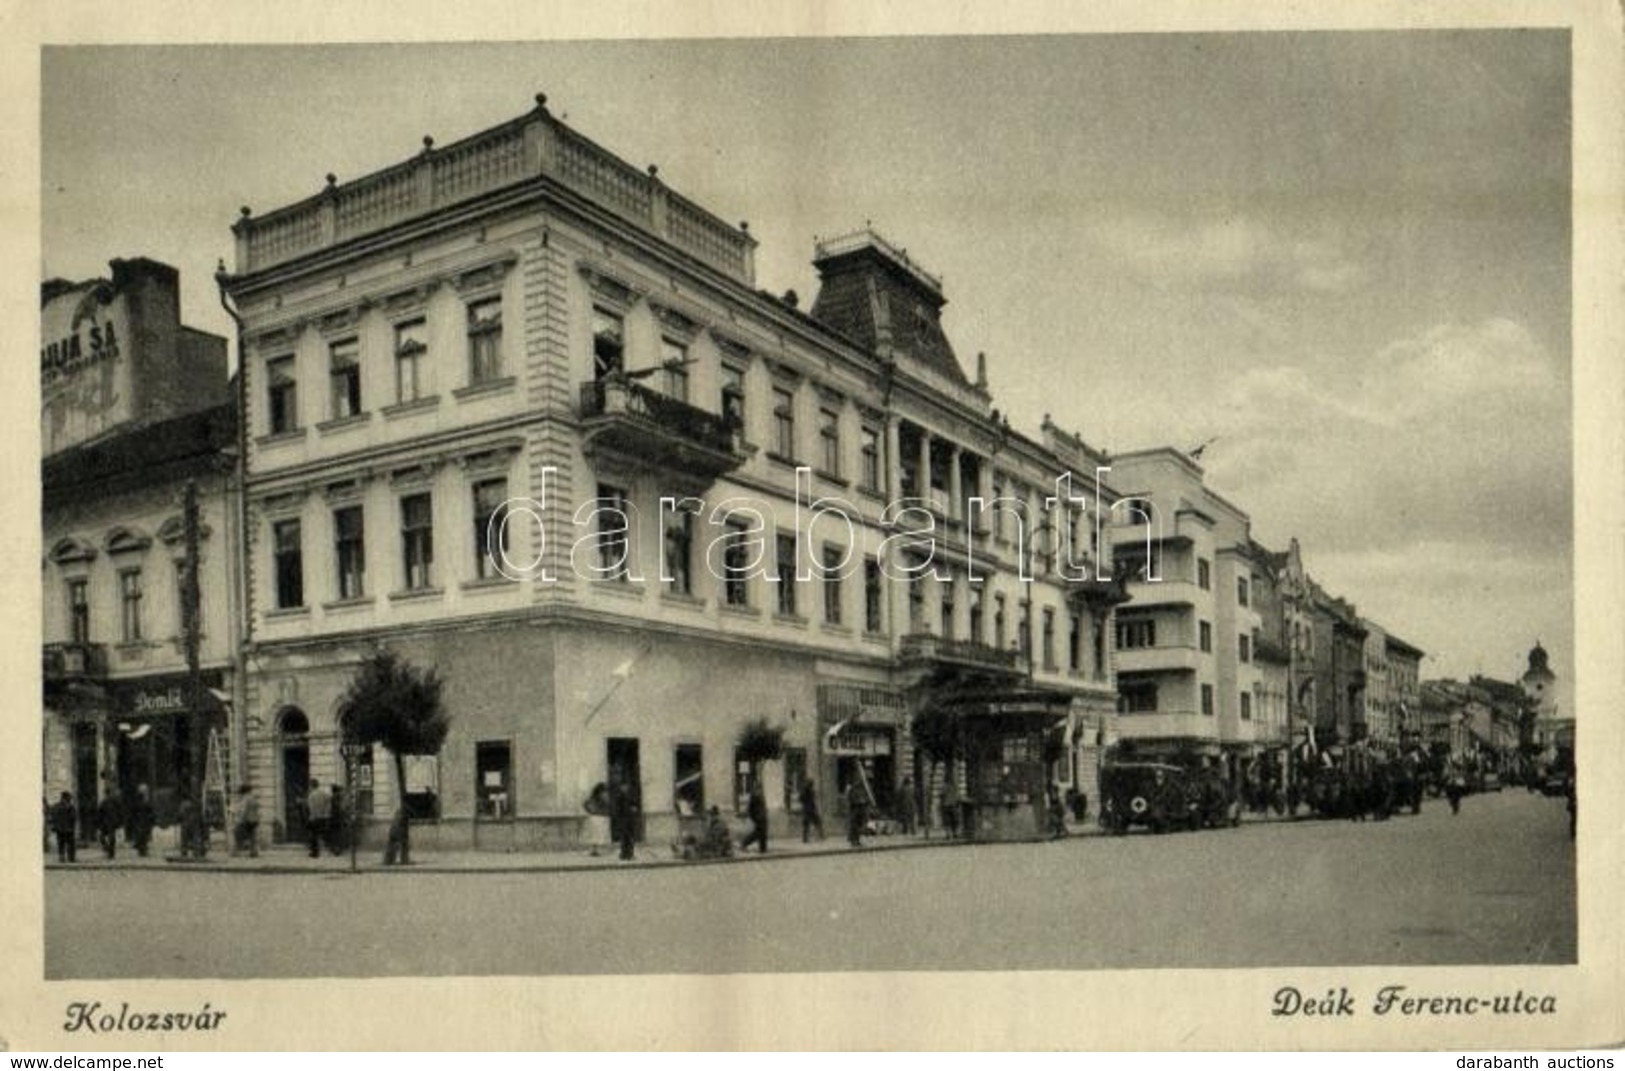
x,y
351,753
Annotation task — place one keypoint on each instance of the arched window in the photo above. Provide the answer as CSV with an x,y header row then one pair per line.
x,y
292,722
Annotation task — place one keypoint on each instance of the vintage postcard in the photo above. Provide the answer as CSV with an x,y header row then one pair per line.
x,y
1090,531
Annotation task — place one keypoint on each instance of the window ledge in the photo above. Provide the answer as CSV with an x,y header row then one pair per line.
x,y
877,493
282,438
341,605
620,589
343,424
876,637
835,630
416,405
417,595
131,648
830,477
677,598
287,613
793,620
735,610
480,390
488,583
779,459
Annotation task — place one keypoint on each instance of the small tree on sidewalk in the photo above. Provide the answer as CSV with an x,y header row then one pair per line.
x,y
393,703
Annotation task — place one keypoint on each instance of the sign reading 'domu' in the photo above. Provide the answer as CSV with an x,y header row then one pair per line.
x,y
91,343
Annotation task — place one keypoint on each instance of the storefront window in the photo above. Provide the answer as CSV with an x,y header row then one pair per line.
x,y
688,789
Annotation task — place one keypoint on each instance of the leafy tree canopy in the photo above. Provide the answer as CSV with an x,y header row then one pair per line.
x,y
393,703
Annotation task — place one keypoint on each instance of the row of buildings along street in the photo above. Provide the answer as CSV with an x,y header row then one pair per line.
x,y
518,411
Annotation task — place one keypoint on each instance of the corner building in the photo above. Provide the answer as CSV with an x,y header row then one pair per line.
x,y
519,349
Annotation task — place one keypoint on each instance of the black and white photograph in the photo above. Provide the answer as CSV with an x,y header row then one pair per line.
x,y
822,513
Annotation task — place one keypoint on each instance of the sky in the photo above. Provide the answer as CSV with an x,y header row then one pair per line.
x,y
1339,259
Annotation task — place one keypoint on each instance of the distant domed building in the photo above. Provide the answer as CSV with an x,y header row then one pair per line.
x,y
1554,722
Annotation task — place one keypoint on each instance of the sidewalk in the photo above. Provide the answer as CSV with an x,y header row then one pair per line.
x,y
295,859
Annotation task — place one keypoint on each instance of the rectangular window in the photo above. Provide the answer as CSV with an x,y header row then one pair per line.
x,y
485,341
411,344
873,618
493,779
829,441
490,527
417,541
1246,707
1136,633
350,549
998,622
674,362
733,396
1049,639
976,613
785,570
736,564
79,611
129,583
1245,652
945,588
871,458
1207,699
1204,574
614,518
1025,639
833,559
289,565
916,601
680,553
795,773
1074,643
1205,633
688,785
281,395
608,344
1241,590
344,364
1137,696
784,422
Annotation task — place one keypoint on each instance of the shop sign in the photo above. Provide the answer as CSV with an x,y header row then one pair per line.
x,y
161,696
865,742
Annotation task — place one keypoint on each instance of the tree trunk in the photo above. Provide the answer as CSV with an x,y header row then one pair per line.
x,y
400,802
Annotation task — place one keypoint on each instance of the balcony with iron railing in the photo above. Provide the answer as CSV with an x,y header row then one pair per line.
x,y
924,648
75,661
624,418
533,146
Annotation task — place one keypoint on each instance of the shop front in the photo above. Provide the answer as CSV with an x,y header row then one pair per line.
x,y
864,740
153,732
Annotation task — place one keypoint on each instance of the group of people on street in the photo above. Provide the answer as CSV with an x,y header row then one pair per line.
x,y
111,816
612,818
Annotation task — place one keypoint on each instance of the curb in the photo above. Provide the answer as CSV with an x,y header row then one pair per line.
x,y
174,865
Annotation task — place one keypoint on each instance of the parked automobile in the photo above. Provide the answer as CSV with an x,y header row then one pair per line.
x,y
1157,795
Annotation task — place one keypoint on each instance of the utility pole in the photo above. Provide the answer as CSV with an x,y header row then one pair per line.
x,y
196,734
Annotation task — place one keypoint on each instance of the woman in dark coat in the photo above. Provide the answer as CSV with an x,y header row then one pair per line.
x,y
109,821
756,811
623,810
65,823
139,820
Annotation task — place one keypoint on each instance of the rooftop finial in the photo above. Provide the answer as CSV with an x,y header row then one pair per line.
x,y
541,102
428,143
654,171
981,369
332,180
744,225
246,211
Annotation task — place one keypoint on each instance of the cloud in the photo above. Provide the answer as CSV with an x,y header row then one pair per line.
x,y
1226,252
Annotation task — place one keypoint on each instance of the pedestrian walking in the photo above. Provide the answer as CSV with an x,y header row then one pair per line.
x,y
596,828
857,813
194,838
907,812
810,818
1455,788
318,816
1057,813
756,811
950,807
248,822
623,817
110,821
139,820
65,824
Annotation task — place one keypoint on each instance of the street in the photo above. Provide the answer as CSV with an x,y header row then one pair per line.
x,y
1494,884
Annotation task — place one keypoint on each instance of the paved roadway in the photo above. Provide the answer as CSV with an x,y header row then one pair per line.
x,y
1492,885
